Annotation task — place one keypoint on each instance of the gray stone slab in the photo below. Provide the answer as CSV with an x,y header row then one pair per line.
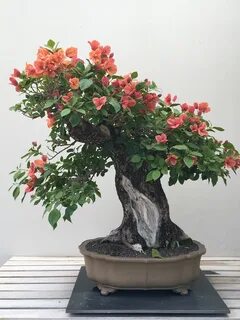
x,y
202,299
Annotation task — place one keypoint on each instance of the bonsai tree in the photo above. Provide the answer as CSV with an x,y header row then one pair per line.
x,y
98,119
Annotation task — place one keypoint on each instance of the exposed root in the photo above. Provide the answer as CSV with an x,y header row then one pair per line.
x,y
136,247
117,236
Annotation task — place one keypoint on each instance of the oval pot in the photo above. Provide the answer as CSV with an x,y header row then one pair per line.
x,y
142,273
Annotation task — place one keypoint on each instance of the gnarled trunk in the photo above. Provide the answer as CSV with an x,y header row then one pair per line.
x,y
146,221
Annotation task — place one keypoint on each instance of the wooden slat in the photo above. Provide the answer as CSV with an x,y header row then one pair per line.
x,y
221,258
36,287
220,268
222,279
61,314
227,286
65,294
38,280
56,294
64,273
73,273
39,287
77,267
25,258
80,258
34,304
8,280
220,263
39,268
62,303
229,294
43,263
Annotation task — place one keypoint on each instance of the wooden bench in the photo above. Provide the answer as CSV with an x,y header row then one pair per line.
x,y
39,287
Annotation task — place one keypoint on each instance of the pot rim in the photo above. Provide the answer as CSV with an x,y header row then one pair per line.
x,y
201,250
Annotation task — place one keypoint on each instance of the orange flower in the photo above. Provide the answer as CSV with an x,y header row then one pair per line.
x,y
171,159
95,56
127,102
151,100
200,129
43,53
13,81
30,70
39,163
31,184
94,44
74,83
16,73
99,102
32,170
204,107
230,163
50,120
174,122
102,57
66,98
161,138
71,52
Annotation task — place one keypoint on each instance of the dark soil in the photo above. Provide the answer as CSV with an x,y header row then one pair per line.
x,y
120,250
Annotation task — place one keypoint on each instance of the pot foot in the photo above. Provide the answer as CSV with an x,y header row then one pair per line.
x,y
182,291
105,291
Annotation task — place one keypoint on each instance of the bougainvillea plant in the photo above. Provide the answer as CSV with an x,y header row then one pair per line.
x,y
98,119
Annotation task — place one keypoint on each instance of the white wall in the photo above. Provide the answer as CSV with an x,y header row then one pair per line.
x,y
190,48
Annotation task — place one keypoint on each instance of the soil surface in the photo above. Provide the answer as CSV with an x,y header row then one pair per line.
x,y
120,250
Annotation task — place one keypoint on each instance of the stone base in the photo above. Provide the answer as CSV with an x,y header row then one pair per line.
x,y
202,299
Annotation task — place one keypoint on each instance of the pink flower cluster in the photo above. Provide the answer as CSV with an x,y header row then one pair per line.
x,y
131,95
102,57
48,63
201,107
35,166
232,162
13,80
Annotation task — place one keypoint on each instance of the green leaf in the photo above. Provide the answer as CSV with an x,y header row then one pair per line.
x,y
164,170
51,44
116,105
180,147
49,103
65,112
140,85
69,211
75,119
153,85
196,153
82,111
188,161
153,175
156,254
134,75
80,66
156,174
16,192
150,157
160,147
53,217
136,158
85,84
18,175
218,128
214,179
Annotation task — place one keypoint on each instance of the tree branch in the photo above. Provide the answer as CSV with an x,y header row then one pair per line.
x,y
88,133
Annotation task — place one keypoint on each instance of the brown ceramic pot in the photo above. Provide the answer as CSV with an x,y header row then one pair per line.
x,y
111,273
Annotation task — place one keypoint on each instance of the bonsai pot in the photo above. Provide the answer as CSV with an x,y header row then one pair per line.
x,y
113,272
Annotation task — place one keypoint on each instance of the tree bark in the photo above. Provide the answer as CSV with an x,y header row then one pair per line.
x,y
146,221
